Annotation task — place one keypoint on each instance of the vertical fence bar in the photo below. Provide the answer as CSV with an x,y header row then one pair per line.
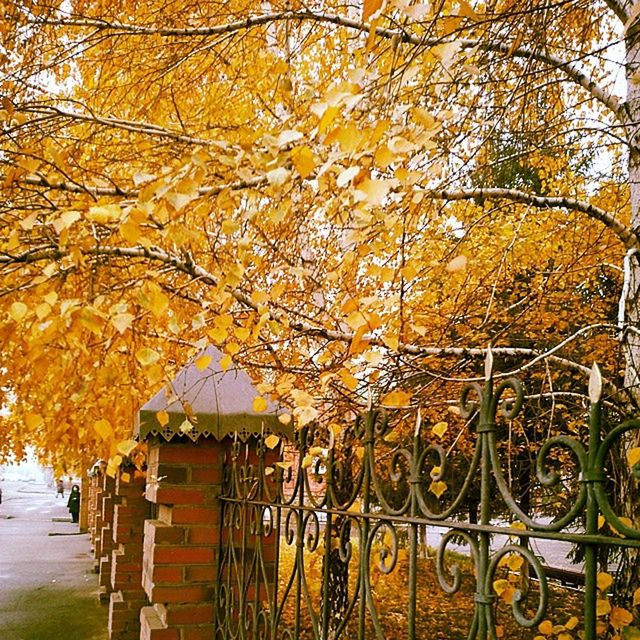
x,y
592,475
413,534
366,506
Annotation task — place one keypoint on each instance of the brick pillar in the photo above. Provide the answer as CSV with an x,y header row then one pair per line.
x,y
127,596
105,526
84,504
181,545
95,502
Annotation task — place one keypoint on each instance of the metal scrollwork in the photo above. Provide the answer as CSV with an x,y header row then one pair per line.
x,y
309,527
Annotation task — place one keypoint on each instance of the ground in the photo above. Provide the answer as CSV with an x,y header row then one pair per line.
x,y
49,591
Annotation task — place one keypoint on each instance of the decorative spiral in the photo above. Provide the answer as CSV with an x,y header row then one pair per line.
x,y
454,570
546,478
518,596
511,406
312,537
267,521
262,624
388,554
345,548
255,519
400,467
600,490
291,525
469,406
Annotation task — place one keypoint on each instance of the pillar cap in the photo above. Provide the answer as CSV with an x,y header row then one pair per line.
x,y
209,402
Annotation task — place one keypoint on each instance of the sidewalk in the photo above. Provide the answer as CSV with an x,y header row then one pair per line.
x,y
47,591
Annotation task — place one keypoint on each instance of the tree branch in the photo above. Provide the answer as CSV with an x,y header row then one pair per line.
x,y
570,69
200,274
626,235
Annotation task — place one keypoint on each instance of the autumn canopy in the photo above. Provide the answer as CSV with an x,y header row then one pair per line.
x,y
340,196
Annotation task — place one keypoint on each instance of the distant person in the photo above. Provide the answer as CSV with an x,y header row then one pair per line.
x,y
60,489
74,503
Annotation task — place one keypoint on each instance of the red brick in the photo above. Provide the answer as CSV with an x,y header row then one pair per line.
x,y
159,532
197,633
171,494
195,515
185,594
183,555
189,453
167,574
200,573
209,474
204,535
189,614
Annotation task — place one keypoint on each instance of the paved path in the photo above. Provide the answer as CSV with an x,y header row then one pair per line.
x,y
47,589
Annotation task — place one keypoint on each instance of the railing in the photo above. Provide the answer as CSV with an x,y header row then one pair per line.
x,y
307,538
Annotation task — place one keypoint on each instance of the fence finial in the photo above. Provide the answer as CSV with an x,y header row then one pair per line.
x,y
595,384
488,364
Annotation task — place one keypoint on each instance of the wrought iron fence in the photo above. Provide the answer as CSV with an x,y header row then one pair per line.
x,y
308,537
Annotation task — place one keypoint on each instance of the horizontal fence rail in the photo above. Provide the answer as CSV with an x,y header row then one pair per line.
x,y
311,530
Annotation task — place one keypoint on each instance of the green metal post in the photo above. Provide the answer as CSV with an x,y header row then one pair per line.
x,y
592,475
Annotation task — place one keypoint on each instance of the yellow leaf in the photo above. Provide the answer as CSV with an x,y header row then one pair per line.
x,y
395,399
163,418
225,362
467,10
103,428
369,7
33,421
302,398
391,341
146,356
459,263
152,298
350,381
218,334
305,415
601,521
603,607
18,310
230,226
203,362
515,562
232,348
633,456
604,581
440,429
103,214
130,231
284,418
438,488
373,191
307,461
126,447
327,118
271,441
571,623
259,404
620,618
283,465
303,161
122,321
69,217
546,627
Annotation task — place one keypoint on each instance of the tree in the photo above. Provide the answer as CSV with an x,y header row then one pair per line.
x,y
339,195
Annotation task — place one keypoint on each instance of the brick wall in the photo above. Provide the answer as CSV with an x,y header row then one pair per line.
x,y
127,595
